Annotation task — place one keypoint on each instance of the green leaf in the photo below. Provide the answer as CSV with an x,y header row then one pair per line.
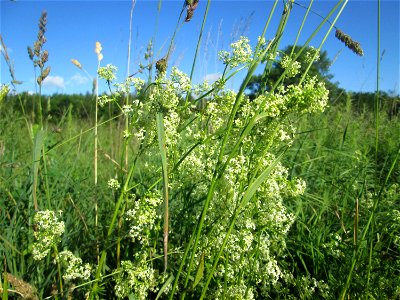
x,y
165,286
200,271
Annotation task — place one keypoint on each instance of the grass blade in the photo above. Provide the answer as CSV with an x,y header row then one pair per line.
x,y
163,152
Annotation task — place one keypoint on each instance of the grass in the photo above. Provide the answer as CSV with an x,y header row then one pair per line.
x,y
199,192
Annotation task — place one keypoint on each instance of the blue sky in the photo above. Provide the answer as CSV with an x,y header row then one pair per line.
x,y
73,27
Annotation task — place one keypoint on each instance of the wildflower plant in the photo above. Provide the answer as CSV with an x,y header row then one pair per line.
x,y
246,223
47,234
74,268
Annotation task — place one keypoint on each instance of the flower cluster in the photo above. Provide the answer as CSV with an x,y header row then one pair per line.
x,y
181,79
137,278
48,230
108,72
113,184
310,96
194,134
312,55
292,67
74,267
138,83
104,99
127,109
142,217
241,53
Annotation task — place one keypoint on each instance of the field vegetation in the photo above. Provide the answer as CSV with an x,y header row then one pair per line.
x,y
165,189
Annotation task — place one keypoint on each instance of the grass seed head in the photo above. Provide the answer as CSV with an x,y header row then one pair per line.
x,y
349,42
76,63
191,7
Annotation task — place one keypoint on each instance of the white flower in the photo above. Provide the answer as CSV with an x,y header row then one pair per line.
x,y
292,67
113,184
47,234
127,109
74,267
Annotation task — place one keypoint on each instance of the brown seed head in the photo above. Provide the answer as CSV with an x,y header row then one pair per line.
x,y
161,66
36,48
45,56
349,42
191,7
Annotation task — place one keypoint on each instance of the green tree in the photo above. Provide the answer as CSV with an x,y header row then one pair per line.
x,y
320,68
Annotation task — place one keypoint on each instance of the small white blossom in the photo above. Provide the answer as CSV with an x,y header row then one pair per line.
x,y
309,57
113,184
127,109
47,234
241,53
138,84
292,67
181,79
104,99
74,267
108,72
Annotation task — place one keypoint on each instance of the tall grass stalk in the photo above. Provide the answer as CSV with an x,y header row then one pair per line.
x,y
199,42
377,109
163,152
97,50
378,71
332,25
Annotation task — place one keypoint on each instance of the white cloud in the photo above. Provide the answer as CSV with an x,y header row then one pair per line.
x,y
212,77
78,79
54,82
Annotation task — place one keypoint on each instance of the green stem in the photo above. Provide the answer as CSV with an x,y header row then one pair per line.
x,y
198,43
59,270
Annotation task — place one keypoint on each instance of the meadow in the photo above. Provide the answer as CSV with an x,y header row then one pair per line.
x,y
167,189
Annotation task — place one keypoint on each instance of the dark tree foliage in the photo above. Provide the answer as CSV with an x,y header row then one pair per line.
x,y
57,105
319,68
365,102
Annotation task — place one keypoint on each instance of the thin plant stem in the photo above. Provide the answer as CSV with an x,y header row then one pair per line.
x,y
127,75
58,270
325,37
377,92
377,105
198,43
163,152
278,36
177,27
95,161
301,26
